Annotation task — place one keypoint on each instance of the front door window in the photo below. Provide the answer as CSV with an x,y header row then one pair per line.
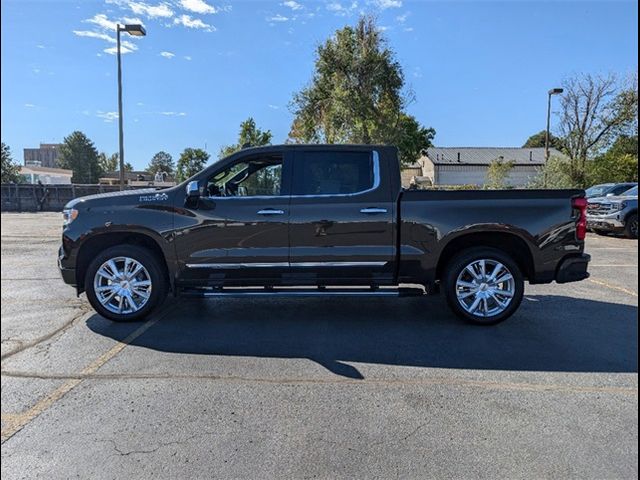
x,y
257,177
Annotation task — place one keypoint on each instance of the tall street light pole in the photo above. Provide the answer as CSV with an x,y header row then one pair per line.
x,y
136,31
553,91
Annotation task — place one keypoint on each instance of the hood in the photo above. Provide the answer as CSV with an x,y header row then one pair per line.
x,y
119,197
612,199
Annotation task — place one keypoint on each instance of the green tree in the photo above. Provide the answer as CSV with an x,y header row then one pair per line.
x,y
558,174
356,95
250,135
191,161
497,173
108,163
537,141
10,170
594,111
161,162
412,139
618,164
79,155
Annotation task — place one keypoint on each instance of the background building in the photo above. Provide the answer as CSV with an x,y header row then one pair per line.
x,y
137,179
468,166
45,175
44,156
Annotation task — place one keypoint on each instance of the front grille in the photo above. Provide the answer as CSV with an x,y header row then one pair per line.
x,y
599,208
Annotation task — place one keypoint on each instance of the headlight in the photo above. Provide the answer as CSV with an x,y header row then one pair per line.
x,y
68,216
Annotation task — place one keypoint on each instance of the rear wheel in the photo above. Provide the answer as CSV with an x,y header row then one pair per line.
x,y
483,285
631,226
125,283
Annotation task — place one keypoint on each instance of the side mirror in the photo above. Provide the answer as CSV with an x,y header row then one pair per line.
x,y
193,189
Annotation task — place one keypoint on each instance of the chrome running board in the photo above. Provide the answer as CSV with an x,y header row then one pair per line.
x,y
232,292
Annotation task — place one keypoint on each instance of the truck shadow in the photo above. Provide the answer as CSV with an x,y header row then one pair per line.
x,y
549,333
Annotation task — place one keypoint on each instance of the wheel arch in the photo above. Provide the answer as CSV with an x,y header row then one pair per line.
x,y
509,243
99,242
632,212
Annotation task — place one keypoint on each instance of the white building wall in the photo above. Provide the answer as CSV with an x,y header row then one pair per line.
x,y
520,176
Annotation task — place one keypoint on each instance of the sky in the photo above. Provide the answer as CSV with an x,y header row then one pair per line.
x,y
479,70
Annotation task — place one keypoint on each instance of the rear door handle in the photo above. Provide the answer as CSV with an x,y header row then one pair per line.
x,y
372,210
270,211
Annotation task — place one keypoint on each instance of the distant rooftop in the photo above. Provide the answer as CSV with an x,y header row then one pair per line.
x,y
485,155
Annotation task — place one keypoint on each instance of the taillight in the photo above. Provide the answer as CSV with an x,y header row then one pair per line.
x,y
581,224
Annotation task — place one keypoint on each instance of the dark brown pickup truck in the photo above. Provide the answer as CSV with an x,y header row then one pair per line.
x,y
320,220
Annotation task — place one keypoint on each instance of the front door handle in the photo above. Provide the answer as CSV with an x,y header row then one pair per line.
x,y
270,211
372,210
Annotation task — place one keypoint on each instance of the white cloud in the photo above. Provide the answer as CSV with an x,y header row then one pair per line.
x,y
130,20
162,10
273,107
278,18
125,47
189,22
41,46
408,29
174,114
187,57
402,18
107,116
340,9
92,34
384,4
29,105
198,6
167,54
292,4
35,70
102,21
139,104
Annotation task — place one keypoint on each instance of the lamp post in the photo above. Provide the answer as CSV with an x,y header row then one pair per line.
x,y
553,91
136,31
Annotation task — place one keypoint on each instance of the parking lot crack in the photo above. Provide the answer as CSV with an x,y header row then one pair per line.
x,y
84,309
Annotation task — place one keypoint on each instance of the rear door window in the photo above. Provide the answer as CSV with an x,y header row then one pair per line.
x,y
333,173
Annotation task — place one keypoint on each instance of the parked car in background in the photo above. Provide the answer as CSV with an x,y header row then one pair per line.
x,y
609,189
614,213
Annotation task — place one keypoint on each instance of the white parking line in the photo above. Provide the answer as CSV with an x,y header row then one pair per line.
x,y
614,265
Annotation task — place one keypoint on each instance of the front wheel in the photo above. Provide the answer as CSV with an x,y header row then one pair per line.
x,y
125,283
631,226
483,285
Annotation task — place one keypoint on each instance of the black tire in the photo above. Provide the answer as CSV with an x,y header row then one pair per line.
x,y
631,226
150,261
604,233
467,257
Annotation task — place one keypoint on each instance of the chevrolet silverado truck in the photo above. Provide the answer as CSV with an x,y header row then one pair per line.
x,y
614,213
313,220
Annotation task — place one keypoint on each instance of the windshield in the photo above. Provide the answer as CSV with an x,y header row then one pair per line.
x,y
632,192
598,190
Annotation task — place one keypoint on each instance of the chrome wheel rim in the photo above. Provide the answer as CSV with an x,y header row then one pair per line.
x,y
122,285
485,288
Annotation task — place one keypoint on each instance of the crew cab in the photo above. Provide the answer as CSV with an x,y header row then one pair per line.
x,y
297,220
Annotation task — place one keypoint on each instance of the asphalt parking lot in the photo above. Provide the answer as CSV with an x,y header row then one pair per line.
x,y
311,388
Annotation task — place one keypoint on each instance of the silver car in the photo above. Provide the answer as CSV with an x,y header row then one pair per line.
x,y
617,214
